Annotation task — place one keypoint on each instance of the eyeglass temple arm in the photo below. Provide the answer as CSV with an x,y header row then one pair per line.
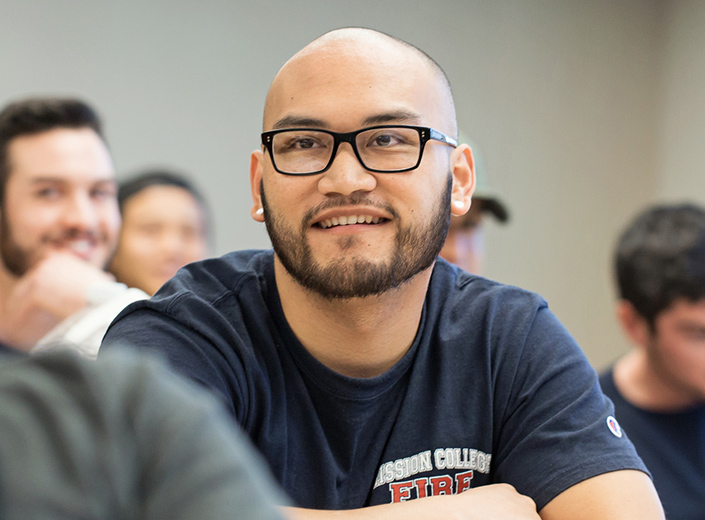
x,y
438,136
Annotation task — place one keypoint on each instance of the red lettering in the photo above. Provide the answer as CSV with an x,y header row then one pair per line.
x,y
420,485
442,485
401,491
462,481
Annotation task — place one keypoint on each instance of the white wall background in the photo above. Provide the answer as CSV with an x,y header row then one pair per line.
x,y
585,110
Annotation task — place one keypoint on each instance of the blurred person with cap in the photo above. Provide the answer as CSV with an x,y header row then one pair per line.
x,y
465,243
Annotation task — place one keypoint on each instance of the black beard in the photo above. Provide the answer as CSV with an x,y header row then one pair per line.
x,y
18,261
344,278
11,256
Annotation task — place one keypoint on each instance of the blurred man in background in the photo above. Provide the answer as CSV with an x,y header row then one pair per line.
x,y
658,388
465,243
164,227
59,223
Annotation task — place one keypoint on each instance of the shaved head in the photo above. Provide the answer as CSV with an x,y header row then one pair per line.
x,y
358,81
367,48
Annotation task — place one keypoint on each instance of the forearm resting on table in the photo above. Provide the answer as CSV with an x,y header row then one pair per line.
x,y
626,494
494,501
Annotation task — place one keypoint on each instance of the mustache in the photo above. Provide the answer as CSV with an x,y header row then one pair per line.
x,y
354,199
72,234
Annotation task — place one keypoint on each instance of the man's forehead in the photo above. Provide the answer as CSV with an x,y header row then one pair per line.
x,y
348,69
60,154
389,116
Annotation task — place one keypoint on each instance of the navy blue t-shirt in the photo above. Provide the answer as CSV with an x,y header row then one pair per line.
x,y
672,446
493,389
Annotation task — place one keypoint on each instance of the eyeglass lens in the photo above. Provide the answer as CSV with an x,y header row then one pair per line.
x,y
386,149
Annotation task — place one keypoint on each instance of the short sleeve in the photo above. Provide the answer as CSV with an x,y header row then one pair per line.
x,y
558,428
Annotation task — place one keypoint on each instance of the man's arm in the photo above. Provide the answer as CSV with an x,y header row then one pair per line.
x,y
493,501
624,494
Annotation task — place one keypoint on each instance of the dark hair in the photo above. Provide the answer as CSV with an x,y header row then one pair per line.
x,y
160,177
660,258
36,115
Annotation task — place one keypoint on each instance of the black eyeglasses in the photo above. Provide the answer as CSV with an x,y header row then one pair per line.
x,y
381,149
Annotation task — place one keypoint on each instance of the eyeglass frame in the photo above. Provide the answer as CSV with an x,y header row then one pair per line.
x,y
425,134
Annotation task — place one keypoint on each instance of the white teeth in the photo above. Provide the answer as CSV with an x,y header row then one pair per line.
x,y
79,246
348,220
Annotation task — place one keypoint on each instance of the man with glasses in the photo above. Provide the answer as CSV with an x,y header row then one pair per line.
x,y
370,373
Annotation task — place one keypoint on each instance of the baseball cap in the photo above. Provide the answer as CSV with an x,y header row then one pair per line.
x,y
491,201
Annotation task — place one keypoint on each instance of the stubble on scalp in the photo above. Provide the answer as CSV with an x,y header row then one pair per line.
x,y
365,40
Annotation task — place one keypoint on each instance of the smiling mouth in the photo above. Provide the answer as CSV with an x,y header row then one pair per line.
x,y
82,247
349,220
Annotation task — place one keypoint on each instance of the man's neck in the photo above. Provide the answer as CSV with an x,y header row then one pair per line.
x,y
643,387
358,337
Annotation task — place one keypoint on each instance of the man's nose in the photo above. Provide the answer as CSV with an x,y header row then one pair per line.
x,y
79,211
172,243
346,174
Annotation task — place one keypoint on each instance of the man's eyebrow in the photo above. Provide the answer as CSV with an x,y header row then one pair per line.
x,y
298,121
398,116
49,179
692,326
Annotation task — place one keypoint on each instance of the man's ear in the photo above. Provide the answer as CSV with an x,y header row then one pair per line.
x,y
462,167
256,159
633,324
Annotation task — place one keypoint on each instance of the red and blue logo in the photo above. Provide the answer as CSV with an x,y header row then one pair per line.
x,y
614,427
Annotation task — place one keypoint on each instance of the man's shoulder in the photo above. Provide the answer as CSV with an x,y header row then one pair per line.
x,y
204,286
454,287
208,279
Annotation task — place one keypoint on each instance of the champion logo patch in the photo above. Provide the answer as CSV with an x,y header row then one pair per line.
x,y
614,427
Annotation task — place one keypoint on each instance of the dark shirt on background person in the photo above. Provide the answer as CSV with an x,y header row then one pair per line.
x,y
658,388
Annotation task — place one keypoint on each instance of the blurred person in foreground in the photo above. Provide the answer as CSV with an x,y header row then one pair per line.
x,y
658,388
165,226
121,437
465,243
378,380
59,222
